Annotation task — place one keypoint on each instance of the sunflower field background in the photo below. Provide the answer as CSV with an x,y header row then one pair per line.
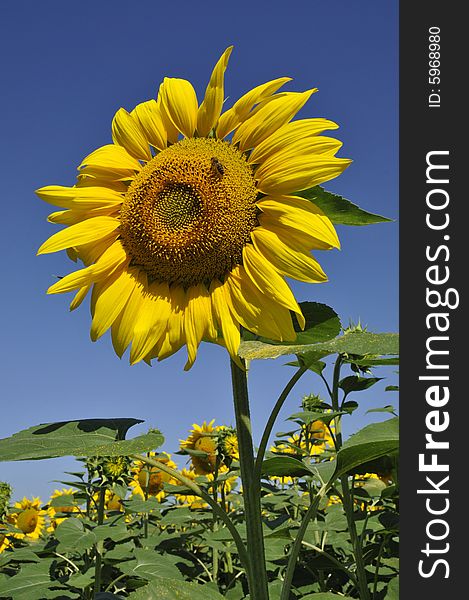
x,y
144,498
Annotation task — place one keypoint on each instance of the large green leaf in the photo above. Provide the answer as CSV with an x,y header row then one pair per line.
x,y
170,589
326,596
148,564
73,537
371,442
33,582
284,466
340,210
85,437
354,342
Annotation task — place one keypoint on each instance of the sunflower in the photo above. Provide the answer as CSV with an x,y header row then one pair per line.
x,y
202,438
223,487
57,513
189,221
148,480
28,519
4,540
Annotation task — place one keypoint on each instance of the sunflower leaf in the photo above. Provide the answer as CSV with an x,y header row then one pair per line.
x,y
340,210
371,442
85,437
356,342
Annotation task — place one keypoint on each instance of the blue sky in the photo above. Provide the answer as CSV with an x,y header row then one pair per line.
x,y
66,68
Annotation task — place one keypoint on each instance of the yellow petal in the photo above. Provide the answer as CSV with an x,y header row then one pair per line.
x,y
111,258
71,217
79,297
302,215
210,109
287,260
81,233
123,326
149,118
80,198
198,320
230,328
126,132
233,117
151,322
111,157
108,299
267,119
175,337
268,280
287,135
180,103
172,132
300,173
270,319
308,148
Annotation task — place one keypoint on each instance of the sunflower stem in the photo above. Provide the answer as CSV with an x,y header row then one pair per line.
x,y
256,569
348,501
99,545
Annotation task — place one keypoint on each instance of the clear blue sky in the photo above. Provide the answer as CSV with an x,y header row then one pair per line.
x,y
66,68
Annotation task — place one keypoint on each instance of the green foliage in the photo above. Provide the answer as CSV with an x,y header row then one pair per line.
x,y
340,210
85,437
329,506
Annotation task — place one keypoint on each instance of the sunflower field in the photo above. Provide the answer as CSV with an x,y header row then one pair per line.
x,y
187,227
131,524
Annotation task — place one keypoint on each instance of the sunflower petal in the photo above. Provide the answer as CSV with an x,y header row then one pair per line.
x,y
287,135
212,104
72,217
239,112
287,260
111,258
126,132
152,320
115,158
267,119
108,299
302,215
149,118
79,297
300,173
228,325
81,233
180,103
265,316
197,320
175,336
268,280
123,326
80,198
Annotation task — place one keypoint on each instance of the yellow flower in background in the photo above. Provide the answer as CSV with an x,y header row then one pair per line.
x,y
56,513
4,540
148,480
28,518
224,487
188,223
202,438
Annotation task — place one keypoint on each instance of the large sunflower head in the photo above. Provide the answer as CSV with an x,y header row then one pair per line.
x,y
189,221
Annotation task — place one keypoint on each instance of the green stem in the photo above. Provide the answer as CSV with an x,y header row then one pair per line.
x,y
99,545
347,496
295,550
198,491
270,423
257,573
